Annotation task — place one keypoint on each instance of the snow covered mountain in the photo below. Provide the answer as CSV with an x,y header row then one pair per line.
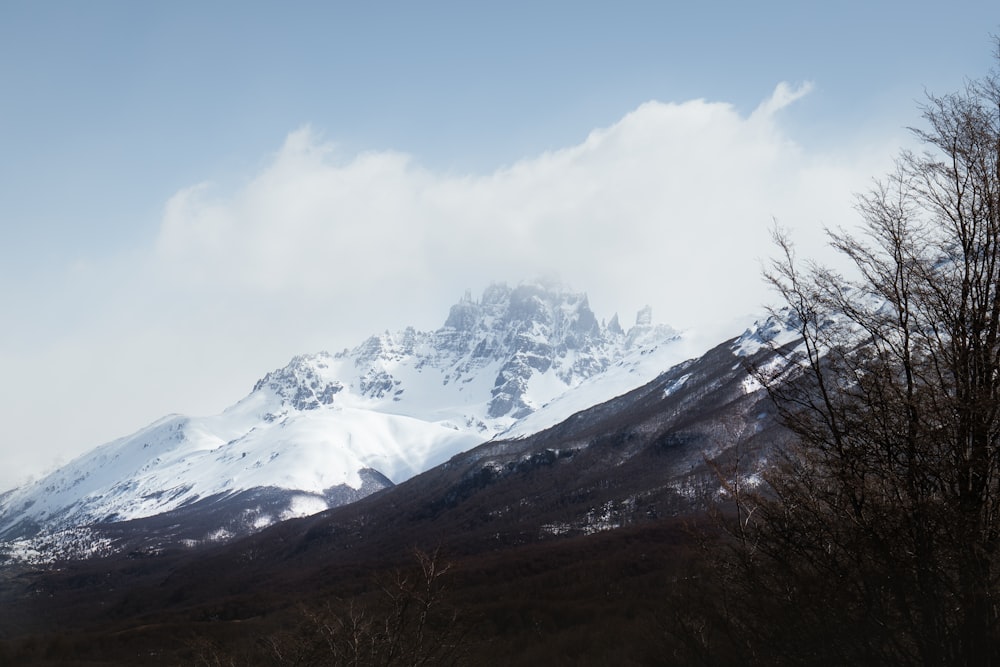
x,y
624,478
331,428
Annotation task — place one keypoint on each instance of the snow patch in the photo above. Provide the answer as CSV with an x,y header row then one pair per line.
x,y
219,535
50,547
302,505
675,385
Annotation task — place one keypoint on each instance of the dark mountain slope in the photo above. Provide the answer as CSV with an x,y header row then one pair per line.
x,y
327,429
641,456
536,526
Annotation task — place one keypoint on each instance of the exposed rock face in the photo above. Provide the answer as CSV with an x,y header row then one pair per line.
x,y
299,383
328,429
514,334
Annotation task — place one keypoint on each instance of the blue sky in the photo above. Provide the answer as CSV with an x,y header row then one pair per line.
x,y
123,103
167,168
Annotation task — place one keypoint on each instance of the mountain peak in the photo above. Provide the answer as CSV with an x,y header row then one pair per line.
x,y
330,427
507,341
301,384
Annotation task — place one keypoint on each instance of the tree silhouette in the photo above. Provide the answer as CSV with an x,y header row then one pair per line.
x,y
409,623
875,538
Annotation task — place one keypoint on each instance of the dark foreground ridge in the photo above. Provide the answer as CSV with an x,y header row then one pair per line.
x,y
562,547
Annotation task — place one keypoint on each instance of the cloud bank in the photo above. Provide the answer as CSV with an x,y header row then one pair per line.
x,y
670,206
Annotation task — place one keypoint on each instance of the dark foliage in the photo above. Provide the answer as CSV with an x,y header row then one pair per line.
x,y
565,548
876,538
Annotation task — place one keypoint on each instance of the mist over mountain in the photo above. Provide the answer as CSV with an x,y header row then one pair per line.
x,y
574,525
329,429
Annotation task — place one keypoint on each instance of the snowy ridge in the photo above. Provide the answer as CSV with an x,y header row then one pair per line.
x,y
179,460
516,361
637,368
774,331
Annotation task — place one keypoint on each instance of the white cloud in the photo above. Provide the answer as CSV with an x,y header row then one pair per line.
x,y
670,206
783,96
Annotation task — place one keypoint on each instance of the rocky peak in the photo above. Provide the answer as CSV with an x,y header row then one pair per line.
x,y
522,307
645,333
615,327
511,334
301,384
464,315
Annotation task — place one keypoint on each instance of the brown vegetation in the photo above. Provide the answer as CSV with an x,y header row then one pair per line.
x,y
876,538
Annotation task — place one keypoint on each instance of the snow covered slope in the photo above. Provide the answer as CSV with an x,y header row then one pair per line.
x,y
330,428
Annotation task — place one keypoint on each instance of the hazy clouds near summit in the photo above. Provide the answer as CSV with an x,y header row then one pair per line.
x,y
669,206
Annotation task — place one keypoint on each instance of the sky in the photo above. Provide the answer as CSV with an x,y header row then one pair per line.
x,y
192,193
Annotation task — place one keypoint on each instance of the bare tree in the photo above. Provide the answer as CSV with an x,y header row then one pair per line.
x,y
409,624
876,538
